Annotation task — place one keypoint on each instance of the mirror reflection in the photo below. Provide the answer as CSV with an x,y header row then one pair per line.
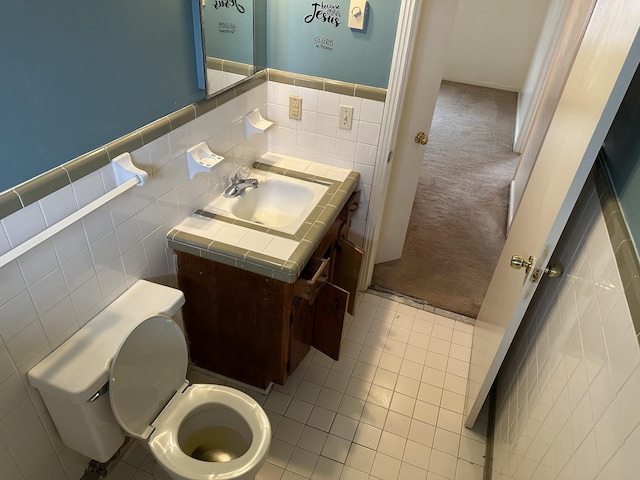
x,y
228,42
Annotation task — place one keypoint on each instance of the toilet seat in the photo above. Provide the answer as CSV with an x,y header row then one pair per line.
x,y
151,399
149,367
165,446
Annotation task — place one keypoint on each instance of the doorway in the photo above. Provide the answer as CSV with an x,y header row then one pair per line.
x,y
458,220
553,41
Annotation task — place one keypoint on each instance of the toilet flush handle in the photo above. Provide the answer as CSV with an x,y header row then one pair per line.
x,y
99,393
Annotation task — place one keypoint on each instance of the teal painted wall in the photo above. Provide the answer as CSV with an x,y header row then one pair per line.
x,y
622,146
228,29
79,73
320,48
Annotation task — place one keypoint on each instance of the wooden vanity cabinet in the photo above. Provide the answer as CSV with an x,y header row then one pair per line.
x,y
256,329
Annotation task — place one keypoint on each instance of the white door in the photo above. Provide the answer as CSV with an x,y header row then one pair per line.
x,y
427,66
604,65
549,79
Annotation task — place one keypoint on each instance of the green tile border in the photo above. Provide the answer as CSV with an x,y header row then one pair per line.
x,y
42,186
621,240
9,203
39,187
230,66
327,85
86,164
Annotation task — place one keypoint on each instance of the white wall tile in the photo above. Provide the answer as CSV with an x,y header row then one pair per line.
x,y
16,314
350,133
86,298
40,261
569,374
88,188
372,111
27,343
23,224
70,241
122,207
7,368
369,133
5,246
58,205
104,250
48,291
97,224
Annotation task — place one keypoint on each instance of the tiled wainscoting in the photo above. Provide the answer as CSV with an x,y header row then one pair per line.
x,y
390,409
50,292
567,401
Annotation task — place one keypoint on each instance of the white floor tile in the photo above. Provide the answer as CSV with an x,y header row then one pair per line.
x,y
392,445
302,462
358,388
351,407
277,402
321,418
279,452
336,448
361,458
350,473
446,441
327,469
398,424
385,467
409,472
344,427
367,436
417,454
307,391
449,420
329,399
402,404
289,430
312,439
374,415
298,410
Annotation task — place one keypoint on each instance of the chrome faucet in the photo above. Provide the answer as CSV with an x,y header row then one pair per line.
x,y
238,185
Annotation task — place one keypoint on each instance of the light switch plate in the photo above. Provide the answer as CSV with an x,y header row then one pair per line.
x,y
295,107
345,117
357,14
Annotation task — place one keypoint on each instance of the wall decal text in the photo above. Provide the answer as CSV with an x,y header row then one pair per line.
x,y
228,4
325,12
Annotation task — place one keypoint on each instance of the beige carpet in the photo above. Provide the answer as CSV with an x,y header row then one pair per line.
x,y
458,222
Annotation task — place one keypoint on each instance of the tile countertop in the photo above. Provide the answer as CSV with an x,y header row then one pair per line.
x,y
261,250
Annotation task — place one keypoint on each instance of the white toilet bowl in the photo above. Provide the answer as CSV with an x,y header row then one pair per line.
x,y
195,432
214,424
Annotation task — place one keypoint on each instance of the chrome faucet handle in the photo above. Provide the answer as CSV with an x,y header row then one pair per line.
x,y
243,172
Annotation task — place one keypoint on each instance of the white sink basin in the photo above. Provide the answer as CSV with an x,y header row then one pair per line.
x,y
279,203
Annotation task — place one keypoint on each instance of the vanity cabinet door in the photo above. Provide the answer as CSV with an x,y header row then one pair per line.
x,y
301,332
237,322
330,308
346,269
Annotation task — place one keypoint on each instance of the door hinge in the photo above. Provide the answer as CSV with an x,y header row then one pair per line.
x,y
389,156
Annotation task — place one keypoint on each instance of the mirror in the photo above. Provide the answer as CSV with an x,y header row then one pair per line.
x,y
229,39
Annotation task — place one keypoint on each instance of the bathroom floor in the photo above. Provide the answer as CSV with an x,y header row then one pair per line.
x,y
391,408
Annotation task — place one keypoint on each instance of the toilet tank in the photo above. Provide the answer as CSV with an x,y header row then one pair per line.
x,y
73,380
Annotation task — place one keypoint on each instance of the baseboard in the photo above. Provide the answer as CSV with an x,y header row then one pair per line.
x,y
487,470
510,212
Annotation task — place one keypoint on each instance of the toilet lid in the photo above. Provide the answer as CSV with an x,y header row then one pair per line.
x,y
148,369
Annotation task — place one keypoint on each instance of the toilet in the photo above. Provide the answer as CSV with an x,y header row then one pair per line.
x,y
124,374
